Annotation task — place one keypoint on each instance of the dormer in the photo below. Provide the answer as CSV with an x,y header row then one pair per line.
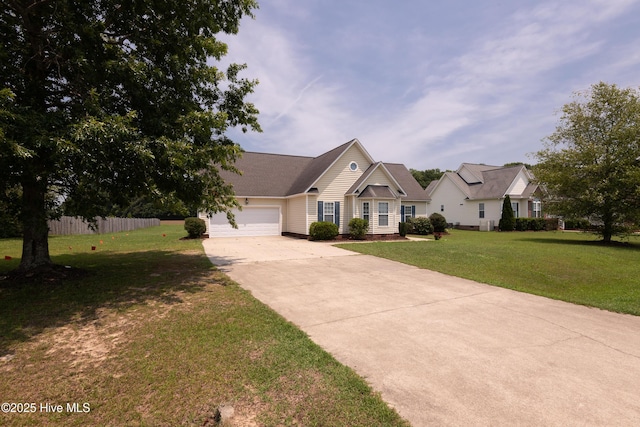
x,y
469,175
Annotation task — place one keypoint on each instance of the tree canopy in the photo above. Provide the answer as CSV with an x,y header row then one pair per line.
x,y
105,101
426,176
590,165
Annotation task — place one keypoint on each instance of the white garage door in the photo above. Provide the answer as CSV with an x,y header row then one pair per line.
x,y
251,222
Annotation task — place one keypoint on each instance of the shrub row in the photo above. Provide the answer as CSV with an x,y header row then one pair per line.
x,y
536,224
436,223
358,228
530,224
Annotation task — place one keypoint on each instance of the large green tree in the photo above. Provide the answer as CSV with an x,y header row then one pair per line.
x,y
102,101
590,165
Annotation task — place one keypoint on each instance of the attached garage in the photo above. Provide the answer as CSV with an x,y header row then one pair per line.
x,y
252,221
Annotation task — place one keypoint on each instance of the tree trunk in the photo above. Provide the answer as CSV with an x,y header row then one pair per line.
x,y
35,241
607,227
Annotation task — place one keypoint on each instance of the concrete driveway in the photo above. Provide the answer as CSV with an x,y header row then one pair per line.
x,y
444,350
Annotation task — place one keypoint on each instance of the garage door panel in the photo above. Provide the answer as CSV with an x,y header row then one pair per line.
x,y
250,221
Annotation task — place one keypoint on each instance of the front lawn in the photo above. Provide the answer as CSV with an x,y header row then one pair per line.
x,y
572,267
154,335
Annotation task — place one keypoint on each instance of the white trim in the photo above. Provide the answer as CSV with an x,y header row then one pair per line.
x,y
362,211
306,212
326,205
388,214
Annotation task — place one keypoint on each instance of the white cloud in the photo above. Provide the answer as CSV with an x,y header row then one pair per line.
x,y
490,92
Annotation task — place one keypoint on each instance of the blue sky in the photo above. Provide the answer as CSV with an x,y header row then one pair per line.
x,y
430,84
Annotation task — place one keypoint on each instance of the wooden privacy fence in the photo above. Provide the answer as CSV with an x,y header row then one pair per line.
x,y
74,225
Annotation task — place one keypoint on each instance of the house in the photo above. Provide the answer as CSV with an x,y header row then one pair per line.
x,y
472,196
283,194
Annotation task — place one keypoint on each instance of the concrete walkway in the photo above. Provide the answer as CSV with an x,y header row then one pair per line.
x,y
444,350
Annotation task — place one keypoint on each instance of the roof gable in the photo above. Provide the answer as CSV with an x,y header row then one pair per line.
x,y
360,182
321,164
405,184
277,175
455,179
429,190
487,182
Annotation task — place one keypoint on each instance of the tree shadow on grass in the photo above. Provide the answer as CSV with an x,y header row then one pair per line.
x,y
110,280
616,244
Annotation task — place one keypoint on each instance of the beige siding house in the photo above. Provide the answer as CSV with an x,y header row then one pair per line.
x,y
282,194
472,196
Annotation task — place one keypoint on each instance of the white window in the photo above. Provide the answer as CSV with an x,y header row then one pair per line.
x,y
383,214
537,209
408,212
516,209
365,210
328,212
481,210
353,166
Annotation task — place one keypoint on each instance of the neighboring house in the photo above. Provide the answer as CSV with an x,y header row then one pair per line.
x,y
282,194
472,196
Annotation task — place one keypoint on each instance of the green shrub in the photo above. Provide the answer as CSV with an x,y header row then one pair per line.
x,y
402,228
530,224
439,222
507,220
521,224
409,226
421,225
323,230
195,227
537,224
358,228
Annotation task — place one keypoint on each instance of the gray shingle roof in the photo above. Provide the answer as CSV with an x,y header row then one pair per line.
x,y
494,181
315,168
265,174
278,175
408,183
377,192
495,184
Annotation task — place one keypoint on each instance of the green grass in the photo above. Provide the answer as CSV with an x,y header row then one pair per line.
x,y
153,335
571,267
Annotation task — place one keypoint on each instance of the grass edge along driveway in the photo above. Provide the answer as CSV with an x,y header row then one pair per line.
x,y
571,267
155,335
